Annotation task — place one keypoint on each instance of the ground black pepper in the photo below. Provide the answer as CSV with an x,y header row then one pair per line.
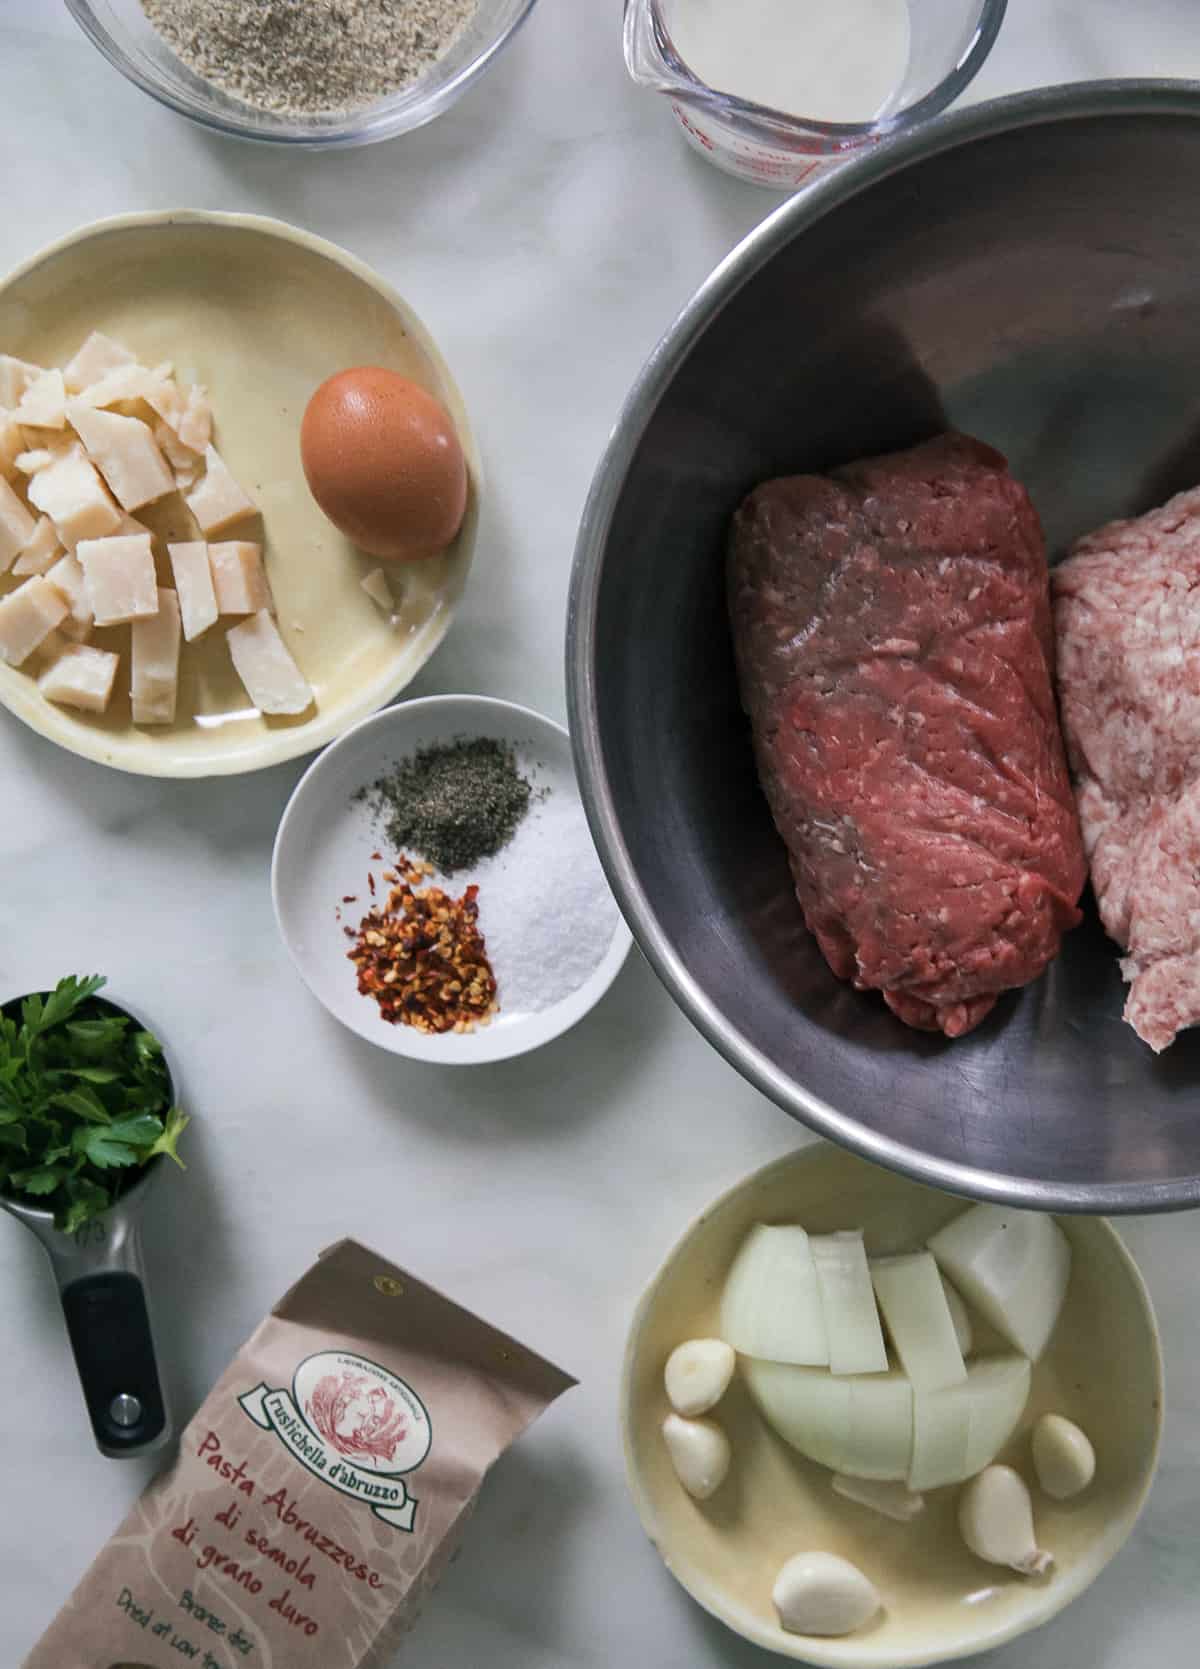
x,y
454,803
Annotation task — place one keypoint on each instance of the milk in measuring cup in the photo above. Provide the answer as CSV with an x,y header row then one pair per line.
x,y
827,60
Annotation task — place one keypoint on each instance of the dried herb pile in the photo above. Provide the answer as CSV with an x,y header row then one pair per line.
x,y
453,803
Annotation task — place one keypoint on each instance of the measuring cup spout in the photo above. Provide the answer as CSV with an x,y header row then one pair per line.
x,y
650,55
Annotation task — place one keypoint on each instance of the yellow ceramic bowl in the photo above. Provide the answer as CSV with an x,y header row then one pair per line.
x,y
1103,1369
260,313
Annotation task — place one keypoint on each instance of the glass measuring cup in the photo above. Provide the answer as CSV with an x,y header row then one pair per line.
x,y
948,43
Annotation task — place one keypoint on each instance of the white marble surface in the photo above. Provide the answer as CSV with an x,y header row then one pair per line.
x,y
547,230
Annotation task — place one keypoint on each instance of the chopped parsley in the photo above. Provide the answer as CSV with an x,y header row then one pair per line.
x,y
85,1098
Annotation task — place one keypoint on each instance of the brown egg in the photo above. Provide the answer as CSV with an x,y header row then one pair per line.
x,y
383,461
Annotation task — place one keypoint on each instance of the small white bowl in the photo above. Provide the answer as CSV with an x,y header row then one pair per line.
x,y
324,851
1102,1368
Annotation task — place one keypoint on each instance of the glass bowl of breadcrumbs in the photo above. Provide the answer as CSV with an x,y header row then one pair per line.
x,y
320,73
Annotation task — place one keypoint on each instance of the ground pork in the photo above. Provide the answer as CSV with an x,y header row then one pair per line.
x,y
1127,614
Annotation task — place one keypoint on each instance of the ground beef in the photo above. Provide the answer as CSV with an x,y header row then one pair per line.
x,y
1127,611
892,630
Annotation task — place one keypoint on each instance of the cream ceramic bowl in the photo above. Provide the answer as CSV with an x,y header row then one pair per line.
x,y
260,313
328,842
1103,1369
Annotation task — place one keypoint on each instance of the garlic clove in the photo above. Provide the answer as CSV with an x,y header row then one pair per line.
x,y
1063,1457
699,1452
995,1516
697,1375
821,1593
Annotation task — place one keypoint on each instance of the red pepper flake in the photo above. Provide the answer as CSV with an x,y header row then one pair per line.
x,y
423,958
376,857
350,898
371,884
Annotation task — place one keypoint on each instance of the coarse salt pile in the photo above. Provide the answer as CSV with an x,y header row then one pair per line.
x,y
545,908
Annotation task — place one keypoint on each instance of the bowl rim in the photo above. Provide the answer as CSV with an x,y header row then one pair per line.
x,y
808,1648
775,127
350,132
402,1041
324,727
1076,101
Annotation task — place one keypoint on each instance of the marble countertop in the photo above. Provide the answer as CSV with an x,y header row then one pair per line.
x,y
547,230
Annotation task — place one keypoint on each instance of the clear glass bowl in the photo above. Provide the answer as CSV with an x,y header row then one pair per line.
x,y
949,41
126,38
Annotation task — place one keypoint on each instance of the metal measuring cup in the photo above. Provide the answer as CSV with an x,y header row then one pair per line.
x,y
102,1287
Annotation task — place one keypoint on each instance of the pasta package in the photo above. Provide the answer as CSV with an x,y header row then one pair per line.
x,y
320,1490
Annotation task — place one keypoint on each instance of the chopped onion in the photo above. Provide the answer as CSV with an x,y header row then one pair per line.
x,y
771,1307
892,1499
960,1430
1013,1266
999,1388
941,1431
808,1407
881,1424
913,1301
858,1425
963,1331
848,1303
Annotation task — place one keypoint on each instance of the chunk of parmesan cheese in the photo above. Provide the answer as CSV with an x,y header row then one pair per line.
x,y
120,578
123,382
154,684
186,466
166,399
17,526
42,551
12,442
67,577
44,402
218,500
179,456
44,447
194,586
15,377
195,425
30,462
98,355
80,677
273,681
49,649
378,590
27,616
187,475
73,496
126,454
239,580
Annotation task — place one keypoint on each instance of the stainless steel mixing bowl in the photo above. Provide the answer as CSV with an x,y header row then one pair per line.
x,y
1028,271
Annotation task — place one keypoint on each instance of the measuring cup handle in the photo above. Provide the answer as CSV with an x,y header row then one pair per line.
x,y
109,1328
